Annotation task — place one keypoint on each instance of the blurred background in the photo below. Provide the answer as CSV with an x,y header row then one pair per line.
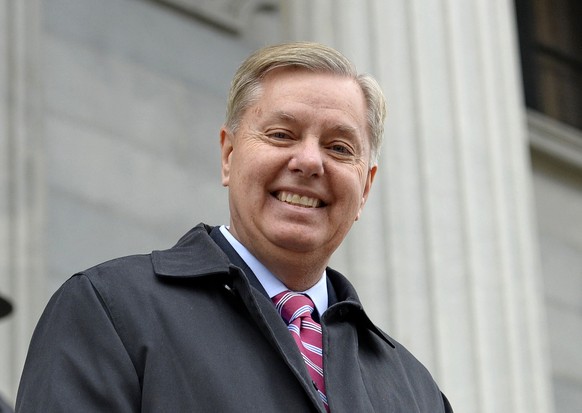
x,y
470,249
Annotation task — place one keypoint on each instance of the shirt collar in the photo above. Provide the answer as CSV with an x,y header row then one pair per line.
x,y
271,284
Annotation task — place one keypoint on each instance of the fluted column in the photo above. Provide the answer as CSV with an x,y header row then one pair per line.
x,y
445,255
21,189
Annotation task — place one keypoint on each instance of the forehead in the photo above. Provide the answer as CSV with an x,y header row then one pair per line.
x,y
303,81
292,94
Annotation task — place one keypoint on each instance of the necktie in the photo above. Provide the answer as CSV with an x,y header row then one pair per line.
x,y
296,310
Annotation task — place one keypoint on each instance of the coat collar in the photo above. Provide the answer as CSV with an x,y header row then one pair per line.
x,y
197,255
194,255
349,306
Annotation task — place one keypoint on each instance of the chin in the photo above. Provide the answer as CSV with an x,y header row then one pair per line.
x,y
298,243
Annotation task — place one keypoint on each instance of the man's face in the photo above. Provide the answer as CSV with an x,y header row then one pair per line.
x,y
298,166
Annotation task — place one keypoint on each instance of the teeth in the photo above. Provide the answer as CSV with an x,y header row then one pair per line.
x,y
295,199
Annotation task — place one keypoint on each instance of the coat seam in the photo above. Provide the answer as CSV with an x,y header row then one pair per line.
x,y
116,325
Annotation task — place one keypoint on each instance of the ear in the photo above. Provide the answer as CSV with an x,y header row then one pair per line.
x,y
367,187
226,148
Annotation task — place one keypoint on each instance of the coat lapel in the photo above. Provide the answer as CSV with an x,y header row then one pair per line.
x,y
272,326
263,312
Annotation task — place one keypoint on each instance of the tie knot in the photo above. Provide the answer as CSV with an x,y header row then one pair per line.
x,y
293,305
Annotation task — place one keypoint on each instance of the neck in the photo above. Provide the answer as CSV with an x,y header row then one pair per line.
x,y
297,277
299,271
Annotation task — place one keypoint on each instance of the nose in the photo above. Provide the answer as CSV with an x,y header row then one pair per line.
x,y
307,158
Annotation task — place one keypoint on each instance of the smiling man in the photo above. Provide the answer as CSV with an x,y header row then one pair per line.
x,y
298,166
245,317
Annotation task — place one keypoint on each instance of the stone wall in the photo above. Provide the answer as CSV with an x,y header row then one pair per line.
x,y
557,166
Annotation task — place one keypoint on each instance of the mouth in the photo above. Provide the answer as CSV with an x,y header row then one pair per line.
x,y
298,200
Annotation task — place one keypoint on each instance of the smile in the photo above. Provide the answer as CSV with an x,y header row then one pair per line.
x,y
298,200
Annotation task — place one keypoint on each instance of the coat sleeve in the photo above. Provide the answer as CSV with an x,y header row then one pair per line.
x,y
76,361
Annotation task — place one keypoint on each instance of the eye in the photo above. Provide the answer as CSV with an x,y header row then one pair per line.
x,y
279,135
341,149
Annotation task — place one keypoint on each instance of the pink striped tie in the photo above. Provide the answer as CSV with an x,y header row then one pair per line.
x,y
296,310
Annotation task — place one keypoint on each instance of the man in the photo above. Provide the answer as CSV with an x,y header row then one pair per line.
x,y
5,309
215,323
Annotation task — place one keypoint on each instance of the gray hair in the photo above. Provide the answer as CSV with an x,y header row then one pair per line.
x,y
246,83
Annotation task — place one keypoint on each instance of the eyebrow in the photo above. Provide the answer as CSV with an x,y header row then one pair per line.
x,y
345,130
341,128
281,115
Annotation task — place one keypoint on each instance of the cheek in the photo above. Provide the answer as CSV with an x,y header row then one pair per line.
x,y
248,176
354,183
349,191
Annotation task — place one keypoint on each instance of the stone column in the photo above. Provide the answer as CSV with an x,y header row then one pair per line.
x,y
445,256
21,189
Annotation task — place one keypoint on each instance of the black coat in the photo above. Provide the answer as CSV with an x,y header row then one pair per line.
x,y
187,330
